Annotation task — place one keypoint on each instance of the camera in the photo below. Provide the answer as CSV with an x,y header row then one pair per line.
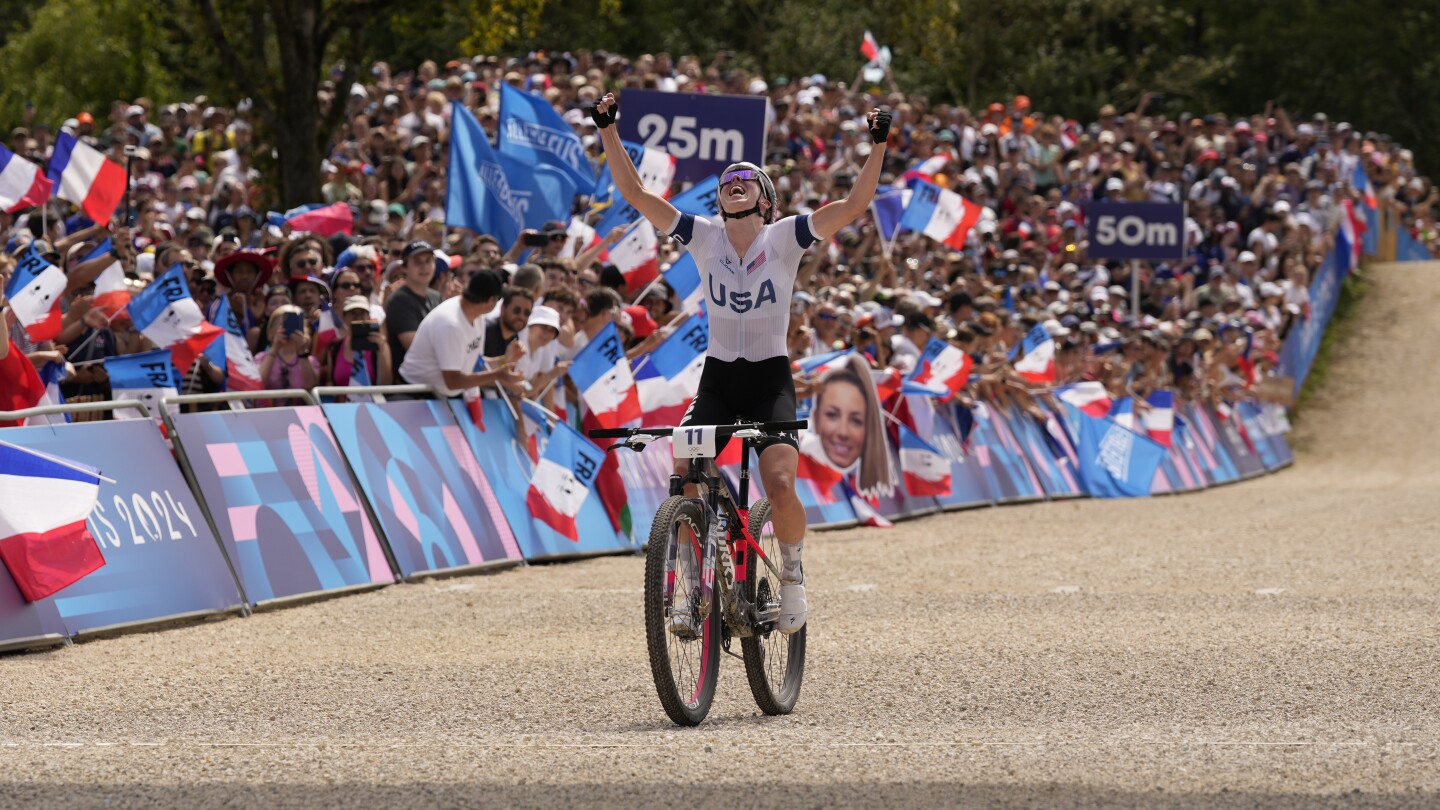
x,y
535,240
360,333
293,323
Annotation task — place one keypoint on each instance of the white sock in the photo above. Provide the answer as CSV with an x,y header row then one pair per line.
x,y
790,570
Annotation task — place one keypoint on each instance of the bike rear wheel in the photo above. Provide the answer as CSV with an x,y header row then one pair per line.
x,y
685,664
774,662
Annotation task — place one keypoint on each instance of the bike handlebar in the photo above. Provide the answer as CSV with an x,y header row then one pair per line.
x,y
721,431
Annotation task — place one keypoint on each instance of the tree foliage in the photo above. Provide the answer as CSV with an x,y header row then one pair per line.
x,y
1374,64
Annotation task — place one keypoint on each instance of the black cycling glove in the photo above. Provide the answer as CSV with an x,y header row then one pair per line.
x,y
880,130
603,120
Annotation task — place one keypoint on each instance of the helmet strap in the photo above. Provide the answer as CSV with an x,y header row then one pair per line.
x,y
741,214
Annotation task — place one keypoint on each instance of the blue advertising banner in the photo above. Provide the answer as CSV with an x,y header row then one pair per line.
x,y
434,503
505,465
1260,435
1303,342
1010,465
161,560
1049,457
705,133
1219,466
289,515
968,485
1136,230
26,624
1241,451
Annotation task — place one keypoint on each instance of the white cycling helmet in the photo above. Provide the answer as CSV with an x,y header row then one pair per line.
x,y
767,189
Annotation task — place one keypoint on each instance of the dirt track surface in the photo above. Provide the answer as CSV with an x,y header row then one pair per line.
x,y
1270,643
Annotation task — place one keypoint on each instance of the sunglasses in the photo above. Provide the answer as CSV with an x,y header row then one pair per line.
x,y
739,174
825,316
307,262
348,285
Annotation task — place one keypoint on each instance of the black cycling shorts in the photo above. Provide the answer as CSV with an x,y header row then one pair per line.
x,y
745,390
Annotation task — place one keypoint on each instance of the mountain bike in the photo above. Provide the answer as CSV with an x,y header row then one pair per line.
x,y
697,543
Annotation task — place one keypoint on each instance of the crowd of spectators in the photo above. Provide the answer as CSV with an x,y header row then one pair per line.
x,y
1264,195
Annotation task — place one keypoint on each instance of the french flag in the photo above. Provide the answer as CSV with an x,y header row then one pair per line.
x,y
533,421
866,512
34,291
817,364
44,503
607,386
20,384
888,207
684,278
869,48
1038,364
888,383
1089,397
637,255
940,214
555,493
84,176
942,364
112,294
1352,232
926,471
1361,181
655,166
51,376
1159,419
147,377
669,376
242,373
165,313
21,182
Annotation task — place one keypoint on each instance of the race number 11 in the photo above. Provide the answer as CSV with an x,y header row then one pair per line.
x,y
694,442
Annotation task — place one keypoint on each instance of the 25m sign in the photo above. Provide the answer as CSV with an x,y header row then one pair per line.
x,y
704,133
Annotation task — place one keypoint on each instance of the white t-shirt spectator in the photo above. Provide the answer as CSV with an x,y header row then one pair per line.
x,y
446,340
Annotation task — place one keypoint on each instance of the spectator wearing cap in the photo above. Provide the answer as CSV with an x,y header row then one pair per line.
x,y
915,332
374,351
450,342
412,299
541,363
645,333
548,242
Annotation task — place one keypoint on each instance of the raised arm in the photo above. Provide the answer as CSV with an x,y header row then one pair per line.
x,y
831,218
652,206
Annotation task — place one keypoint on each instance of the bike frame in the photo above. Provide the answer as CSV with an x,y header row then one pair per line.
x,y
739,542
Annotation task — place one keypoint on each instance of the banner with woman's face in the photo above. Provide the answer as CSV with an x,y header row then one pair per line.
x,y
845,455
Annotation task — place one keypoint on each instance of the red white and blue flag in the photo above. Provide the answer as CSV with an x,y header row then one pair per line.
x,y
1038,364
35,289
22,184
148,377
655,166
1089,397
669,376
232,353
534,423
326,220
942,364
84,176
926,471
637,255
562,480
167,314
813,467
51,376
1159,418
607,386
44,503
20,384
112,294
818,364
940,214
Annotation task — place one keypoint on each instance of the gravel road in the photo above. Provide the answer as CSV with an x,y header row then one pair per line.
x,y
1270,643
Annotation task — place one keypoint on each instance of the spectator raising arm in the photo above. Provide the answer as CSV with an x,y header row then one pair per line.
x,y
828,221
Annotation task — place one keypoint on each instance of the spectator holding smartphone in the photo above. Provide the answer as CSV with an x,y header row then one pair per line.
x,y
362,341
288,363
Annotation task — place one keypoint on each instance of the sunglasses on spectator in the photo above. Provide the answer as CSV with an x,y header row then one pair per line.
x,y
348,285
307,262
739,174
826,316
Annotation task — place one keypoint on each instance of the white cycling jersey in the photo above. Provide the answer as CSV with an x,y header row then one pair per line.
x,y
747,298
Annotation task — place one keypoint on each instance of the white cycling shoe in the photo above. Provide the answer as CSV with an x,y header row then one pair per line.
x,y
793,609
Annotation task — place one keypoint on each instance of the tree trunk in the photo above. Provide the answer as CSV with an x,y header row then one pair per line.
x,y
297,116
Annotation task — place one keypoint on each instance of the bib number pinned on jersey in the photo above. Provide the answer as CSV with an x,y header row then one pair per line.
x,y
694,442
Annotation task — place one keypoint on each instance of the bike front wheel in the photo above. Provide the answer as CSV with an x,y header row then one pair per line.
x,y
774,662
682,632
